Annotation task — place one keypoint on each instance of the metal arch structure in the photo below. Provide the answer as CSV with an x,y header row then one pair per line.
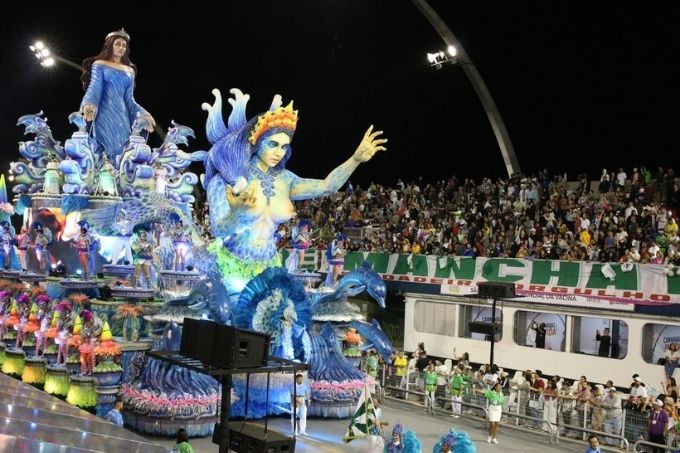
x,y
497,124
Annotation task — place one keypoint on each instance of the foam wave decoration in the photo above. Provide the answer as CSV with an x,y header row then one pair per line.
x,y
328,362
279,395
23,202
74,203
260,288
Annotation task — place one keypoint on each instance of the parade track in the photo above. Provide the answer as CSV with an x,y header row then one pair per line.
x,y
325,435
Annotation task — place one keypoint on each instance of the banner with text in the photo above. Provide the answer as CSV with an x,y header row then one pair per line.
x,y
574,283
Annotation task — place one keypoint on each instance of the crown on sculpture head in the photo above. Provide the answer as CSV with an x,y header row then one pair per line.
x,y
119,33
281,117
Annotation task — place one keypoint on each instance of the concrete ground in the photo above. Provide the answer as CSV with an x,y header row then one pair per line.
x,y
325,435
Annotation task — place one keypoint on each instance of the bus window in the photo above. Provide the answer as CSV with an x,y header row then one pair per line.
x,y
655,341
600,336
529,325
434,317
475,322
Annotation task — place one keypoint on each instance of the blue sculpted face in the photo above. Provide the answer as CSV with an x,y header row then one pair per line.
x,y
272,151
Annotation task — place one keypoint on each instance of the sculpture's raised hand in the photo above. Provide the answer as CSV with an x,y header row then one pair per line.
x,y
370,144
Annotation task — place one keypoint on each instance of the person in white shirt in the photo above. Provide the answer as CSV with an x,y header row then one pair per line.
x,y
672,357
490,377
621,177
299,402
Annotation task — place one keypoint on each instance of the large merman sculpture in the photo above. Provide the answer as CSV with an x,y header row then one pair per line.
x,y
246,165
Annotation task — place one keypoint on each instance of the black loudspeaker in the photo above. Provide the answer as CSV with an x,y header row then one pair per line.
x,y
250,438
198,338
236,348
496,290
483,327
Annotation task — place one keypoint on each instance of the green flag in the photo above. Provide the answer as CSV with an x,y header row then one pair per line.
x,y
363,419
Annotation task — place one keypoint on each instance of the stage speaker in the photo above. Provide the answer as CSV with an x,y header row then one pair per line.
x,y
483,327
250,438
236,348
198,338
496,290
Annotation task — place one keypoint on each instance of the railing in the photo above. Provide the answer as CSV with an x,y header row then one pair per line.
x,y
653,445
552,429
616,427
592,431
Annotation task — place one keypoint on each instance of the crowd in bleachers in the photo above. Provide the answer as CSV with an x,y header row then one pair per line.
x,y
621,217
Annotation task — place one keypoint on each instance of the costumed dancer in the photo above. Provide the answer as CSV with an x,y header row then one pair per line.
x,y
82,244
496,399
89,332
430,377
351,345
283,345
106,182
7,240
24,310
142,253
401,442
5,306
63,331
454,442
23,241
301,241
41,244
43,319
109,80
335,253
457,386
376,443
182,244
33,324
299,401
123,240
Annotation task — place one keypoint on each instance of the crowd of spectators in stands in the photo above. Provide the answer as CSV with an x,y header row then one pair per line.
x,y
621,217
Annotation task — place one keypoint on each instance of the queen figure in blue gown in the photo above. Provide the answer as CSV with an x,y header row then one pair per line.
x,y
109,81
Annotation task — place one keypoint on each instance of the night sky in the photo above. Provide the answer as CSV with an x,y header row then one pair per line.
x,y
580,86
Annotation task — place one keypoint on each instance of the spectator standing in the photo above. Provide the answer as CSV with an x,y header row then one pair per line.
x,y
400,365
605,342
613,414
658,422
540,334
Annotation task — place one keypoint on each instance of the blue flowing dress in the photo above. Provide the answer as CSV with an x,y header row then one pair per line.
x,y
110,90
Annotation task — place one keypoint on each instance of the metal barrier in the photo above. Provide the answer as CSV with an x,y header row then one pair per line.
x,y
653,445
635,425
551,431
464,404
426,397
587,431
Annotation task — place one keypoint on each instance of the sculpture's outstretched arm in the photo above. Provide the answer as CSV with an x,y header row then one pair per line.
x,y
302,189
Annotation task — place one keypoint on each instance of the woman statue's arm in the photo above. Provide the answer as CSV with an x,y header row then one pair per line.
x,y
90,101
134,108
302,189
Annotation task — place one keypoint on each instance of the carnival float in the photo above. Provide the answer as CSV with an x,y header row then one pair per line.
x,y
111,257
